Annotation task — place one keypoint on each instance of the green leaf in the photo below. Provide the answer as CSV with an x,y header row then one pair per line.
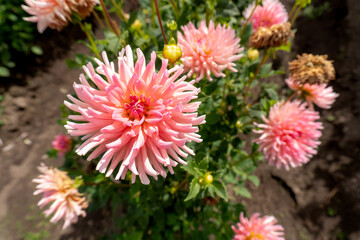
x,y
37,50
220,189
246,34
242,191
254,179
194,189
4,72
272,93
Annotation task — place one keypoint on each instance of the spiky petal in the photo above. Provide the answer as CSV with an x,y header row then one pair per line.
x,y
271,12
257,228
58,188
208,50
135,118
320,94
290,135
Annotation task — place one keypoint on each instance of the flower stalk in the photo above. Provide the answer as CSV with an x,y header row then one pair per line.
x,y
248,19
91,40
109,21
159,18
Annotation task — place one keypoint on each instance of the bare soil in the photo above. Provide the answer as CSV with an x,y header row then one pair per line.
x,y
319,201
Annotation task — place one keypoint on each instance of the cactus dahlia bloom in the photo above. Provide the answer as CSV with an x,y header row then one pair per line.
x,y
62,143
290,135
48,13
58,188
140,119
208,50
258,228
271,12
320,94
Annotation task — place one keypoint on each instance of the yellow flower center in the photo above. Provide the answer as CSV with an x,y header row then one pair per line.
x,y
254,236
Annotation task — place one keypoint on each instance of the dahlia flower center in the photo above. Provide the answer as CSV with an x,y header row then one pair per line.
x,y
254,236
137,106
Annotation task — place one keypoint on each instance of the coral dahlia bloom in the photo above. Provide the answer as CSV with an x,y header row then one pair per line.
x,y
48,13
290,135
208,50
62,143
320,94
139,118
270,13
257,228
58,188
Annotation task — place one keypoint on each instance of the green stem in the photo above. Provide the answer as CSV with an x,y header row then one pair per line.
x,y
176,9
119,12
91,40
108,19
295,16
265,57
98,19
292,10
159,18
292,96
248,19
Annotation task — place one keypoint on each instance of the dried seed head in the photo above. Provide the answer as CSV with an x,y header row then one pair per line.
x,y
273,36
311,69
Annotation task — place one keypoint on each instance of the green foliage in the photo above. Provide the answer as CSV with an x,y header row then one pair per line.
x,y
188,204
16,35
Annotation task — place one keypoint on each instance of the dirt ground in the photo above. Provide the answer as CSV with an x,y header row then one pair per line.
x,y
319,201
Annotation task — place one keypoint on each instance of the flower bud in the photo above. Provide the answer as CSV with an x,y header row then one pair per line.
x,y
172,52
208,178
253,54
136,25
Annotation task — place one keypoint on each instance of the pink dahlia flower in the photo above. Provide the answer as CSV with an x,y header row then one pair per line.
x,y
208,50
290,135
58,188
139,118
270,13
320,94
62,143
258,228
48,13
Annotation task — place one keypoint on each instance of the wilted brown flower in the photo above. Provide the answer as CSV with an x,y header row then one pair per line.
x,y
273,36
311,69
83,7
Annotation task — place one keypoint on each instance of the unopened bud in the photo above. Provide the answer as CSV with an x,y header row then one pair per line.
x,y
172,52
208,178
253,54
136,25
238,124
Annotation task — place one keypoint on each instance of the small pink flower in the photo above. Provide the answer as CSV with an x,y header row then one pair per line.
x,y
270,13
258,228
62,143
320,94
139,119
290,135
58,188
208,50
48,13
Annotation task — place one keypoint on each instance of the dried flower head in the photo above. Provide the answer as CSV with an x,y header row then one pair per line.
x,y
272,12
83,7
320,94
55,14
62,143
311,69
290,135
140,120
58,188
274,36
208,50
257,228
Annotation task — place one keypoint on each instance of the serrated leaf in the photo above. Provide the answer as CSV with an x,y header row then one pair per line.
x,y
220,189
37,50
255,180
4,72
242,191
194,189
